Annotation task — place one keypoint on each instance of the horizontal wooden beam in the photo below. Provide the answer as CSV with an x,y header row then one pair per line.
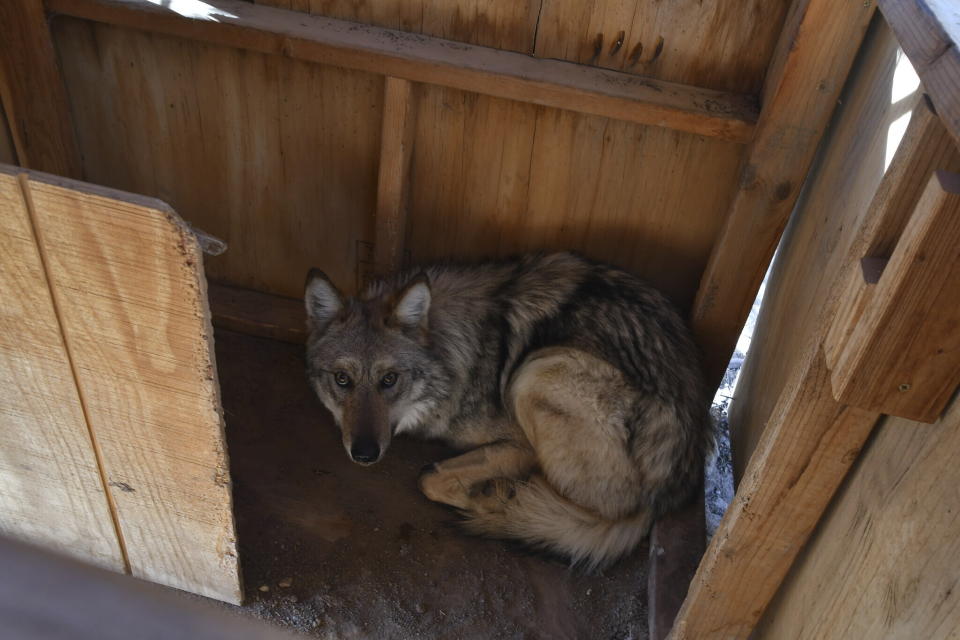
x,y
504,74
257,314
929,32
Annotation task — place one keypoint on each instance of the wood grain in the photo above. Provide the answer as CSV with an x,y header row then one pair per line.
x,y
51,491
258,314
276,157
809,444
811,62
32,92
884,561
929,32
7,153
423,59
835,224
902,356
127,275
396,149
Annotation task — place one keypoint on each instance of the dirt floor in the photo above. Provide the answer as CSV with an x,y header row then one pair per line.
x,y
336,550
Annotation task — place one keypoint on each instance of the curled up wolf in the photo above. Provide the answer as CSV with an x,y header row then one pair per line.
x,y
572,388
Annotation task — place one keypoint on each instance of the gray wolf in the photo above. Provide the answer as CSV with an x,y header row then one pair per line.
x,y
572,387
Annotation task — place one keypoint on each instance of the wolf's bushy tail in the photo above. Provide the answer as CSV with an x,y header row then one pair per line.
x,y
540,517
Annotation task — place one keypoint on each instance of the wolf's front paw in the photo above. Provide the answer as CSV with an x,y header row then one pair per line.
x,y
444,487
493,495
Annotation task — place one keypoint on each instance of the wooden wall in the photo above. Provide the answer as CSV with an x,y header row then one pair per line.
x,y
7,153
815,243
885,560
280,158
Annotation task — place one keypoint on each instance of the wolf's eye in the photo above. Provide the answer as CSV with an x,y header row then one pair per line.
x,y
341,378
389,379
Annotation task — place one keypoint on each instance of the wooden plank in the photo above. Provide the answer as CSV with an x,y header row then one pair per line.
x,y
884,561
802,457
902,354
810,65
710,43
258,314
32,92
275,156
51,491
396,149
929,32
677,541
127,277
432,60
7,153
848,211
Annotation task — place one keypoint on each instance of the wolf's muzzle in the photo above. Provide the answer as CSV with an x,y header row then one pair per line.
x,y
365,451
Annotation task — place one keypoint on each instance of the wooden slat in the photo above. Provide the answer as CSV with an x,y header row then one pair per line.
x,y
396,149
901,356
32,91
431,60
803,455
51,491
813,57
929,32
258,314
7,153
884,560
127,276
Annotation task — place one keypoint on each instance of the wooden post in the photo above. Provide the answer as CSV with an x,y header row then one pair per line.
x,y
33,93
396,148
812,60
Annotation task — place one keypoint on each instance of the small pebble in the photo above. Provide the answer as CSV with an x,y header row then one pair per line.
x,y
264,588
285,583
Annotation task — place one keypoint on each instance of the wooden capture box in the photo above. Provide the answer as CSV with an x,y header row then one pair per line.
x,y
676,140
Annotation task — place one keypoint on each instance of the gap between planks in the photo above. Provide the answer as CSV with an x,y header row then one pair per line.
x,y
431,60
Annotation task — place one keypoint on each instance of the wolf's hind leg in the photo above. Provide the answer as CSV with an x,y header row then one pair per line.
x,y
461,480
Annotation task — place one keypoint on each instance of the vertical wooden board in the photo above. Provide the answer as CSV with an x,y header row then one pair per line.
x,y
51,491
7,153
817,240
885,559
493,177
127,276
275,156
712,43
504,24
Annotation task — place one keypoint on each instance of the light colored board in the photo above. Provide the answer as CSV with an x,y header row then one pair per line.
x,y
902,356
814,54
396,149
7,153
495,177
711,43
929,32
503,24
816,245
127,277
51,491
276,157
809,444
32,93
885,559
423,59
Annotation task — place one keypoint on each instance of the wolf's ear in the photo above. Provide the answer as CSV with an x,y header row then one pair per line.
x,y
323,300
413,303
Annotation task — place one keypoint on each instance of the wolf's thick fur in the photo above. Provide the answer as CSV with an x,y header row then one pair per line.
x,y
573,387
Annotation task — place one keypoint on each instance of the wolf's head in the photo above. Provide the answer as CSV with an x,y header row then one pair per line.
x,y
367,360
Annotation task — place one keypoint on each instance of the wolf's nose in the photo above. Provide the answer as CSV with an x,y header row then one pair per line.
x,y
365,450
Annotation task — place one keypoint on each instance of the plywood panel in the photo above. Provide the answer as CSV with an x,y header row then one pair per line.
x,y
127,276
51,492
711,43
885,560
818,238
504,24
494,177
275,156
